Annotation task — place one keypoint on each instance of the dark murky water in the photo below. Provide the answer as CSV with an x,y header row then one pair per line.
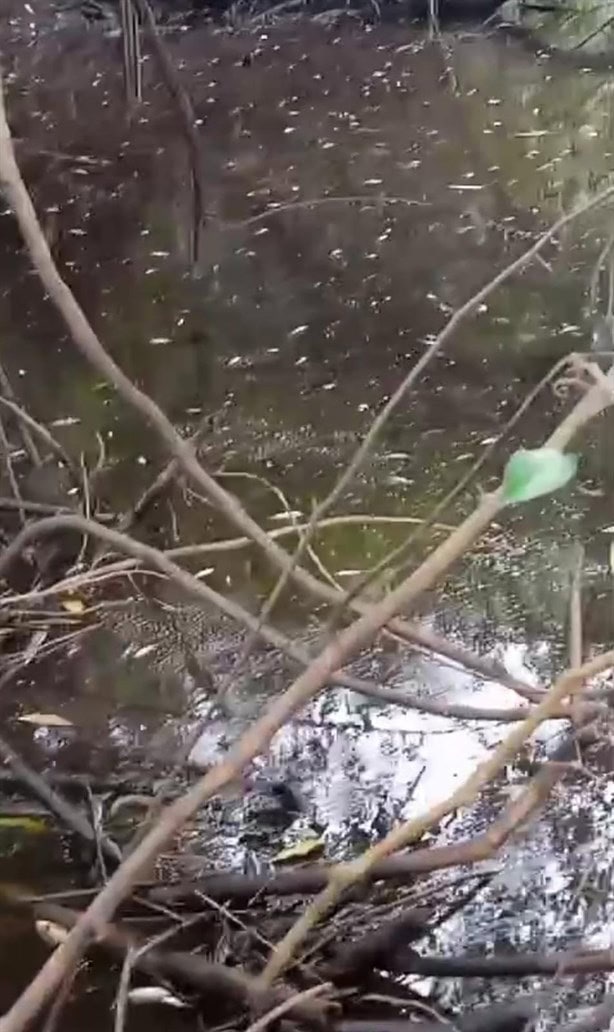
x,y
358,188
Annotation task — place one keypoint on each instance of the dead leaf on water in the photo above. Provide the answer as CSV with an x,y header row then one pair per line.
x,y
45,720
300,850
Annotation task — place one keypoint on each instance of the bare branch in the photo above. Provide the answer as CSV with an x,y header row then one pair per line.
x,y
5,449
42,432
287,1005
9,393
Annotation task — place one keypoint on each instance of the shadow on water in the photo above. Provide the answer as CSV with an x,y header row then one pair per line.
x,y
354,198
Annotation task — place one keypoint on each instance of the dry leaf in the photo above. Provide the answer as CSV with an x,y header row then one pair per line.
x,y
73,605
299,850
51,933
45,720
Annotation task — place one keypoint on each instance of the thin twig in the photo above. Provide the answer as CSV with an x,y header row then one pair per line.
x,y
600,28
287,1005
5,448
593,291
123,987
44,434
276,208
39,508
162,482
360,519
59,1002
575,609
133,79
185,112
9,393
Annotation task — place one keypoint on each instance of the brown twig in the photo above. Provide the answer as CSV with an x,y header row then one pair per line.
x,y
185,111
287,1005
360,519
38,508
44,434
5,449
9,393
162,483
276,208
123,987
133,79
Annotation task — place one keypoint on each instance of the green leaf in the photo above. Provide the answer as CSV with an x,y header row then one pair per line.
x,y
531,473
